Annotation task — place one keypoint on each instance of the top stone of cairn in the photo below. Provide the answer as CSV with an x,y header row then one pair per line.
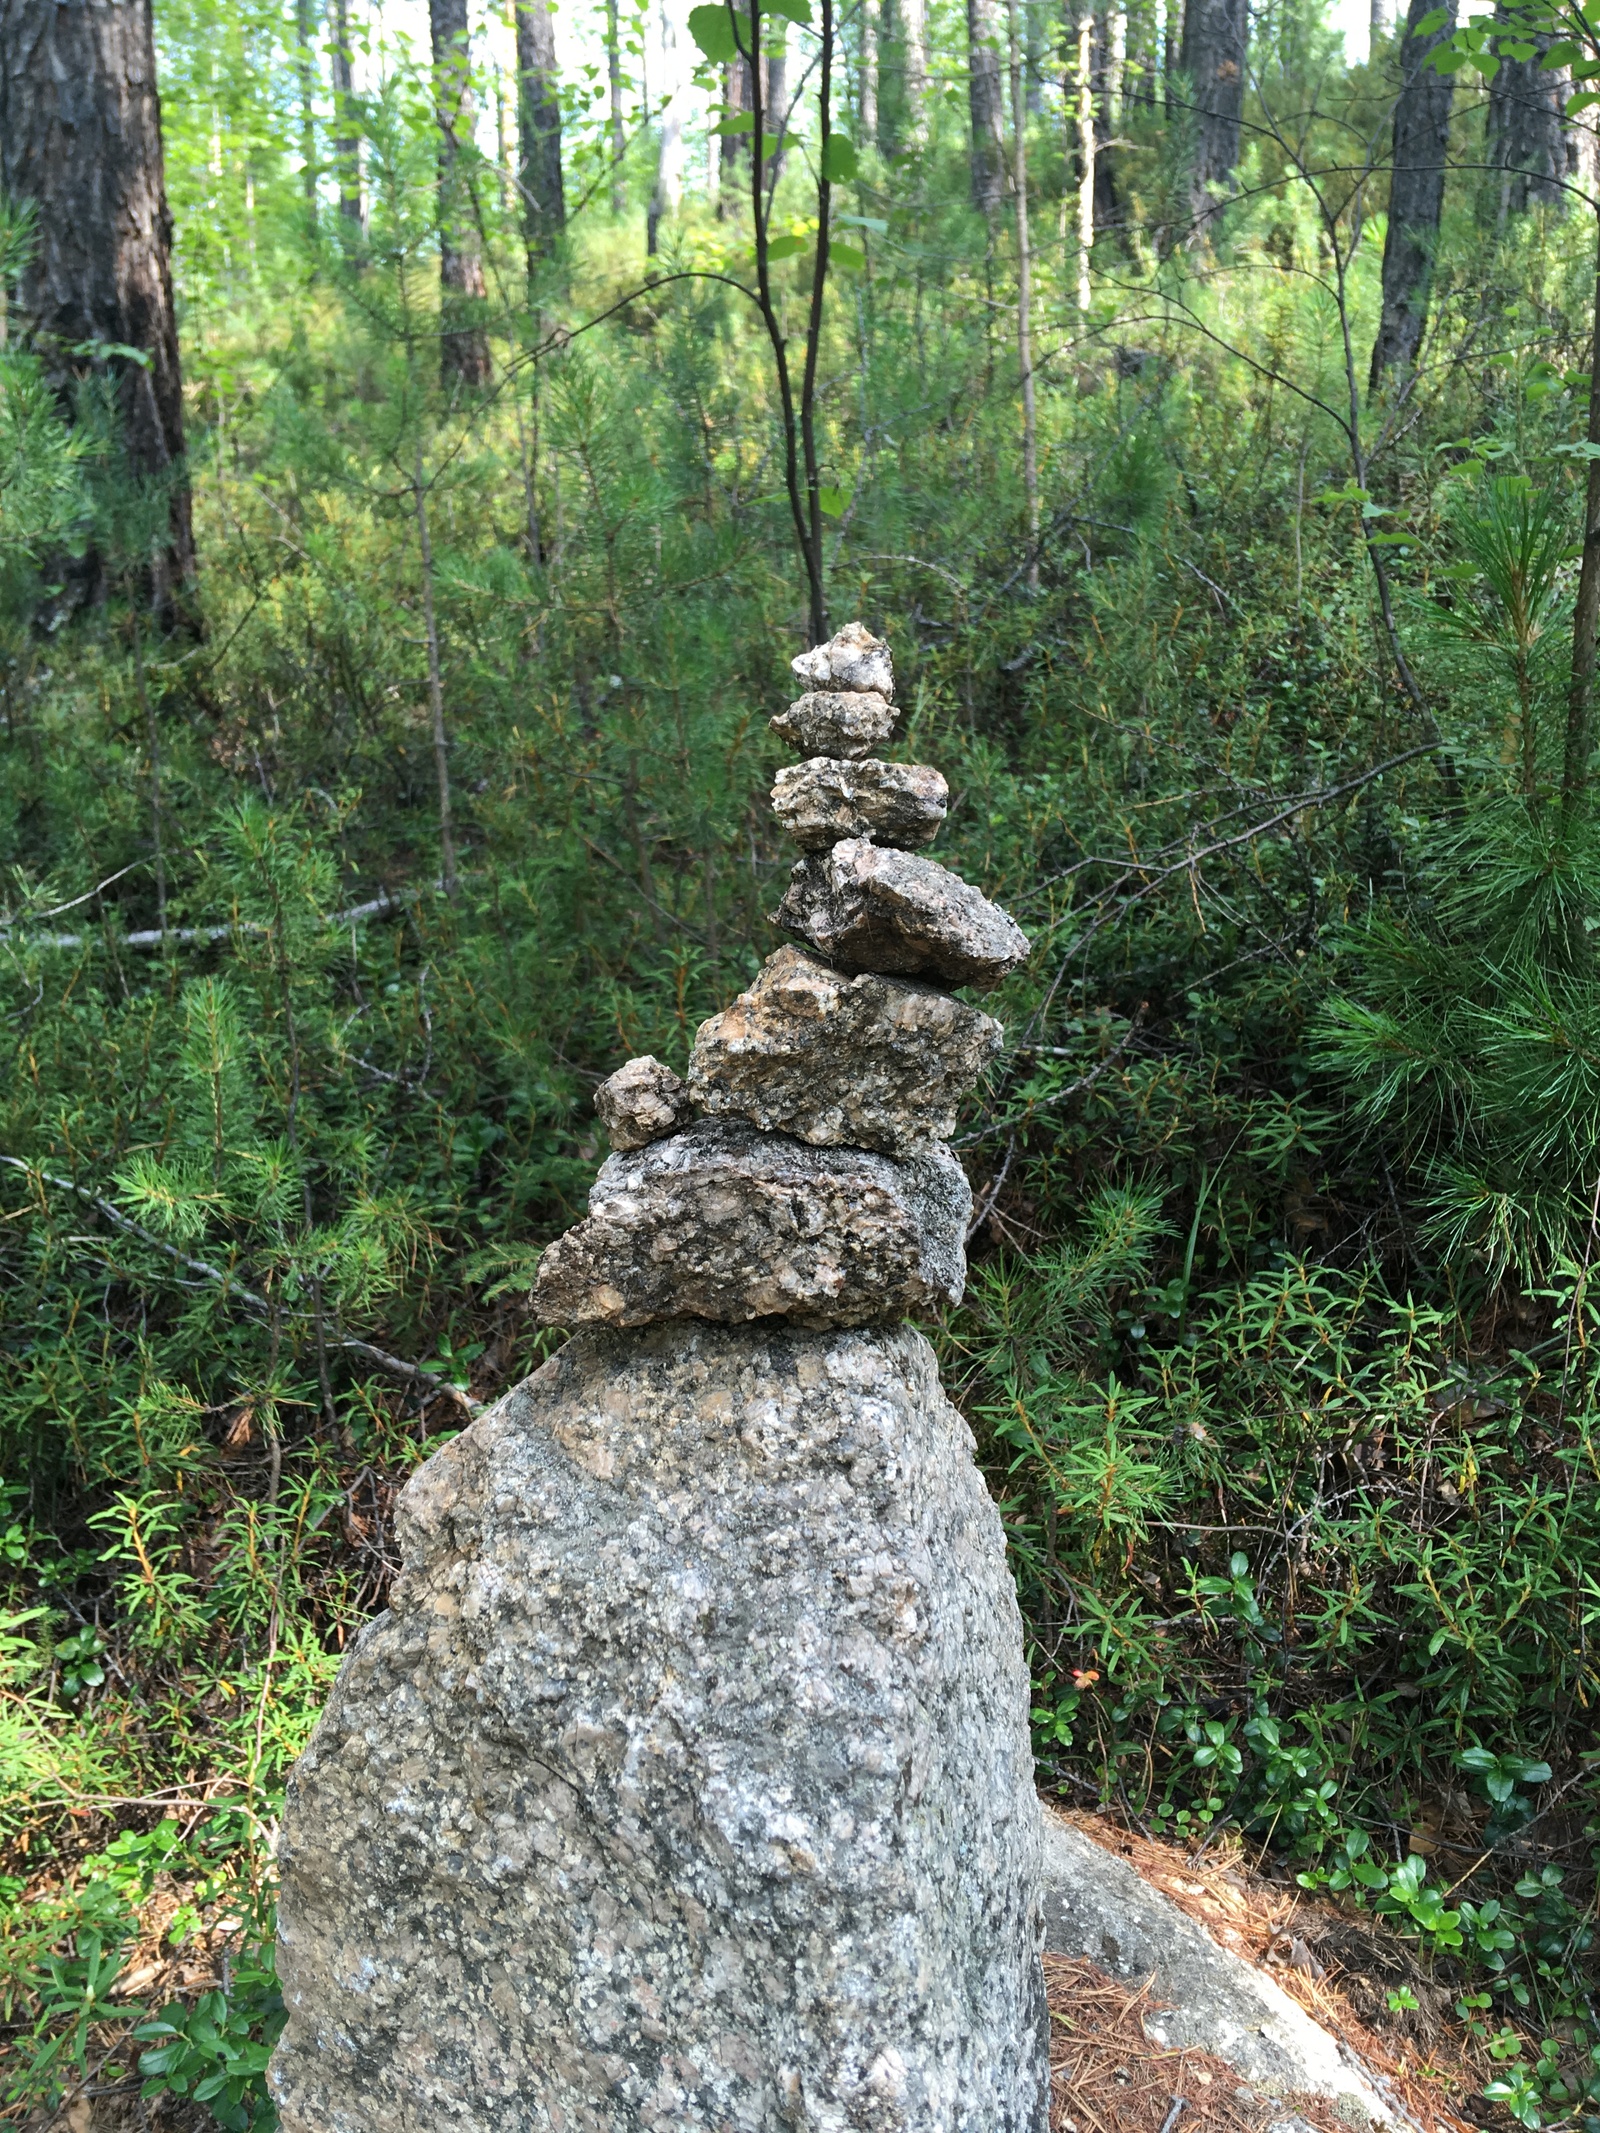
x,y
853,660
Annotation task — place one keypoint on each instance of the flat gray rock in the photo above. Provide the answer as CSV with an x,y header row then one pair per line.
x,y
686,1783
729,1223
826,723
866,1061
851,659
822,800
866,908
1097,1907
639,1102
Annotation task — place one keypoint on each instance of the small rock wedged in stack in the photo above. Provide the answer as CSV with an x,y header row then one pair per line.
x,y
852,1043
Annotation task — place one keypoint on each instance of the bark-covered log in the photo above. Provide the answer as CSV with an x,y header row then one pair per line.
x,y
1216,35
1416,191
464,346
80,137
985,106
544,199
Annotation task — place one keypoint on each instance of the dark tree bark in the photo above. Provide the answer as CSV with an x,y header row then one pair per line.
x,y
346,145
736,97
985,106
80,136
1416,193
306,68
1526,135
1215,38
464,346
544,200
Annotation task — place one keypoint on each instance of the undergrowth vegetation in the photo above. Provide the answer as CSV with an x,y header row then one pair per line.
x,y
1282,1344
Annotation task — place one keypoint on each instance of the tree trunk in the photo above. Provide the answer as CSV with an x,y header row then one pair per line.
x,y
80,136
1019,179
1526,135
913,21
1215,36
668,193
775,103
306,68
1586,608
619,198
1087,156
985,107
869,72
544,204
1110,29
736,97
1416,193
464,346
1377,28
346,144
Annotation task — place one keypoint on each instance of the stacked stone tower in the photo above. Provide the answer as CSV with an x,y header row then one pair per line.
x,y
686,1784
802,1167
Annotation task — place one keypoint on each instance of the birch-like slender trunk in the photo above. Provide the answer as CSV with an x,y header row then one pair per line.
x,y
869,72
1086,156
1030,431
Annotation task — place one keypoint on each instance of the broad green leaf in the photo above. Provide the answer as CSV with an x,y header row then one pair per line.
x,y
712,30
847,256
839,160
1435,19
785,247
740,122
835,502
1582,102
792,10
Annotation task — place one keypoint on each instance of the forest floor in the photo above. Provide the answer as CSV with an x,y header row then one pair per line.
x,y
1341,1966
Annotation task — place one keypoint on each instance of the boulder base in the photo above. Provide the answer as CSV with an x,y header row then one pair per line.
x,y
729,1223
686,1785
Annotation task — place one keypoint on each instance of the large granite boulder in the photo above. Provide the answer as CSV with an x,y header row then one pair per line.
x,y
725,1222
869,909
875,1062
686,1785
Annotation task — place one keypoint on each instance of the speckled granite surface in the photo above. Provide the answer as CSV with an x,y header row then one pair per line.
x,y
687,1782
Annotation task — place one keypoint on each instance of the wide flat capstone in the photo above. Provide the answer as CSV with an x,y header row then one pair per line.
x,y
869,1061
726,1222
820,801
686,1784
870,909
825,723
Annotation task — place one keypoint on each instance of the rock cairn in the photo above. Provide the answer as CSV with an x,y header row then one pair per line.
x,y
801,1168
687,1783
